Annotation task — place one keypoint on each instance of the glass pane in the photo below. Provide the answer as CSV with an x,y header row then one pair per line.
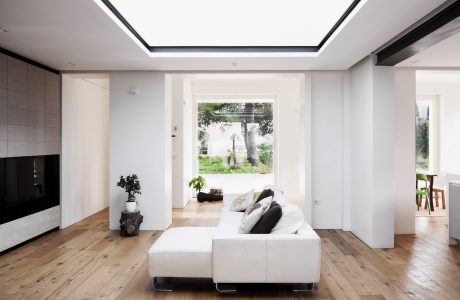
x,y
235,138
422,134
232,22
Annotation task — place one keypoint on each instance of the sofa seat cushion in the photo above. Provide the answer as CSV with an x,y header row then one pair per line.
x,y
229,221
182,252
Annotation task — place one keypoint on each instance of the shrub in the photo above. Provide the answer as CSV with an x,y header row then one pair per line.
x,y
265,154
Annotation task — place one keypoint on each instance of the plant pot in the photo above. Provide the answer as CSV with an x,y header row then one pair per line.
x,y
130,206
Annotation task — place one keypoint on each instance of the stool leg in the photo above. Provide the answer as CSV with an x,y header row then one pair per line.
x,y
429,205
436,197
443,197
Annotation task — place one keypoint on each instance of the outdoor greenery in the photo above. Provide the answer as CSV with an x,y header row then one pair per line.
x,y
422,133
215,165
244,113
265,154
131,185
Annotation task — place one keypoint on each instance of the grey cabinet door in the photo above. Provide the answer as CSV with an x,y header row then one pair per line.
x,y
454,210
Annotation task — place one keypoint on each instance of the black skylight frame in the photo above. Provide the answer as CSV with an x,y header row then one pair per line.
x,y
247,49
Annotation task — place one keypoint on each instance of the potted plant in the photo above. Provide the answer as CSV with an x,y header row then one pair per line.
x,y
132,186
197,183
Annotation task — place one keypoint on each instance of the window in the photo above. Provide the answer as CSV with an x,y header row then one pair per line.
x,y
235,137
425,133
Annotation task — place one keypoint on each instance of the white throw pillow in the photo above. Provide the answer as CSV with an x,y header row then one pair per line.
x,y
242,202
253,215
266,202
291,220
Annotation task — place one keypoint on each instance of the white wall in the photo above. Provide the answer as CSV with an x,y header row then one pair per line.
x,y
85,149
182,142
448,92
140,143
289,136
187,140
405,151
361,153
372,153
384,155
327,97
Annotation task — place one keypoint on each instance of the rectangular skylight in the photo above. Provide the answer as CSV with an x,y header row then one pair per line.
x,y
231,23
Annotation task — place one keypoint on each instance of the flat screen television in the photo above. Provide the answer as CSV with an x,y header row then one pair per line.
x,y
28,185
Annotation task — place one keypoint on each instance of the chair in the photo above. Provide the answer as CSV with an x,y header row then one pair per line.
x,y
423,192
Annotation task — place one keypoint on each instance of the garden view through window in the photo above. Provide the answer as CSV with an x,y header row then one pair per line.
x,y
423,122
235,137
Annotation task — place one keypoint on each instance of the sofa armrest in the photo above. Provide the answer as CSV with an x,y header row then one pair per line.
x,y
269,258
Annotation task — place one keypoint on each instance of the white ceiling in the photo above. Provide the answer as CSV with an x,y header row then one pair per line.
x,y
446,76
59,33
444,54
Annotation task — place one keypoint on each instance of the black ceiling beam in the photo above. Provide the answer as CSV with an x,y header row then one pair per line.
x,y
439,27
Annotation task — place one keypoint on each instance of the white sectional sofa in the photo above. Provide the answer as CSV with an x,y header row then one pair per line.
x,y
227,257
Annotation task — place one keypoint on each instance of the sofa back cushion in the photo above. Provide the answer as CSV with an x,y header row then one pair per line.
x,y
268,220
291,220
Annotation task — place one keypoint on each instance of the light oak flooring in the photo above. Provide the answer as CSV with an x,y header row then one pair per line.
x,y
87,261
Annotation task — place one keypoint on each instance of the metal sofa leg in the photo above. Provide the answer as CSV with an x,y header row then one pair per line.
x,y
225,288
302,287
159,286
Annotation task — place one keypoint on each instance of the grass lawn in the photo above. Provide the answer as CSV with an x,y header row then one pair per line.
x,y
215,165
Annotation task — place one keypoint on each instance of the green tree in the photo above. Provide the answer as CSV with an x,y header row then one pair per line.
x,y
422,135
246,114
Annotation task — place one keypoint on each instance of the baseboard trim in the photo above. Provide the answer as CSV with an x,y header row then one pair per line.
x,y
28,241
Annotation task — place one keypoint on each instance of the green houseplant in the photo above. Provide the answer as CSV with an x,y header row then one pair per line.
x,y
197,183
132,186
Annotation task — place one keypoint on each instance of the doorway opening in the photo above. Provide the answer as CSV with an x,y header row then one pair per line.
x,y
437,125
240,131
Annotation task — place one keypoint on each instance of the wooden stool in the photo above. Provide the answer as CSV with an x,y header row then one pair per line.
x,y
443,197
130,222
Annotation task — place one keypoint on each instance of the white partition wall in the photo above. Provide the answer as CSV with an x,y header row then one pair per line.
x,y
372,153
404,162
85,148
327,139
140,143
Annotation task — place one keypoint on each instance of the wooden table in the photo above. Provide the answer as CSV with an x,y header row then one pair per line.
x,y
431,180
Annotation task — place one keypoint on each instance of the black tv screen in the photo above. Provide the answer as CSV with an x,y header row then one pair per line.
x,y
28,185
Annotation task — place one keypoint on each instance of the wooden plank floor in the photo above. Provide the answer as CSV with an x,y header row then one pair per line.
x,y
87,261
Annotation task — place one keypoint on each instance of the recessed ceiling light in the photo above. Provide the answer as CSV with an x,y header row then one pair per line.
x,y
3,30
